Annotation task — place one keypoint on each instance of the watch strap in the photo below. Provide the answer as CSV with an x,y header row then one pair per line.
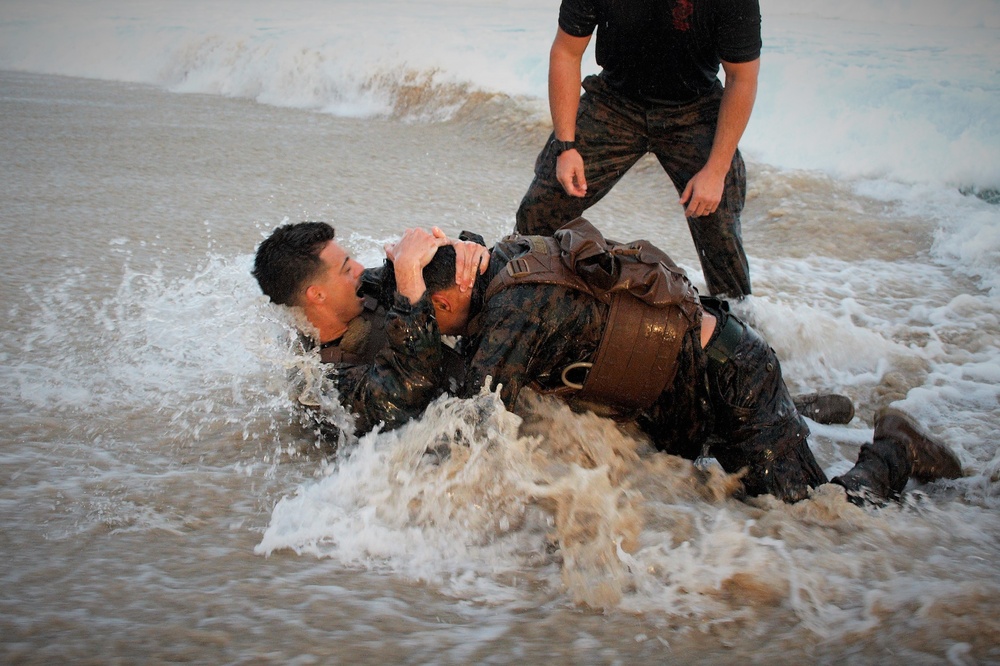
x,y
562,146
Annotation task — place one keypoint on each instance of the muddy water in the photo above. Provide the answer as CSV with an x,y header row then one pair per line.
x,y
149,440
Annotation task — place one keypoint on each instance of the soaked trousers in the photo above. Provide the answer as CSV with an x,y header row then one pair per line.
x,y
756,424
757,427
612,133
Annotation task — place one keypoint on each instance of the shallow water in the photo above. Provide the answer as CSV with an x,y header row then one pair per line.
x,y
149,439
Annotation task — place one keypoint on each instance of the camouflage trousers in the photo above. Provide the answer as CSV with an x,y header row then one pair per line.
x,y
756,424
612,133
757,427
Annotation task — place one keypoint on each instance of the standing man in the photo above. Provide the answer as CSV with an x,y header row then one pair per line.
x,y
658,92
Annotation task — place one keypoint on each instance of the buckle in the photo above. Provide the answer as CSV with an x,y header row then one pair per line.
x,y
627,251
518,267
568,374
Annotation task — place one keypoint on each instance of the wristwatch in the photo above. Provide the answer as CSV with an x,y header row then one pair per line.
x,y
562,146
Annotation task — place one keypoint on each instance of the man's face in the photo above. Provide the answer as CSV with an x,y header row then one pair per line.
x,y
453,319
339,283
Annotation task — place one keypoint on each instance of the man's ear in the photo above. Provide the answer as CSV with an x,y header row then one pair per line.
x,y
441,302
314,294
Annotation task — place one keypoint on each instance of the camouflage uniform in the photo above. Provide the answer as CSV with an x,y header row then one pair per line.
x,y
740,409
612,133
393,366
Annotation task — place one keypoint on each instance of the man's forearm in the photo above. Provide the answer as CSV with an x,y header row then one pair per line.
x,y
564,99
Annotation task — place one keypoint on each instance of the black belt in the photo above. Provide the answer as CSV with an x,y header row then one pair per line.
x,y
722,346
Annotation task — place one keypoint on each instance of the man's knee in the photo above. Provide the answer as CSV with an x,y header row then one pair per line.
x,y
545,208
776,461
734,195
720,250
526,218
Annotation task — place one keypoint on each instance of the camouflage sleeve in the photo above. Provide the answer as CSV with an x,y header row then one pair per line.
x,y
526,333
405,375
374,283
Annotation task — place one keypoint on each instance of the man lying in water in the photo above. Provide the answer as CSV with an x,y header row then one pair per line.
x,y
383,344
385,347
588,320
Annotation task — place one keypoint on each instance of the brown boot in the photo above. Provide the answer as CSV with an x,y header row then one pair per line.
x,y
929,459
825,407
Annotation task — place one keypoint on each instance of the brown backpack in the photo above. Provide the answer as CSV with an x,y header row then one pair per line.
x,y
652,307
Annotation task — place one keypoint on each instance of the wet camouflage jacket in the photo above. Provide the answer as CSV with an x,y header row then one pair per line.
x,y
528,333
388,366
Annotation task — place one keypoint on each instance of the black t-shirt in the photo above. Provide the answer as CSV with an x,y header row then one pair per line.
x,y
665,50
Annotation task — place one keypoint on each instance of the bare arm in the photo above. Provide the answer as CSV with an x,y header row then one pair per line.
x,y
409,255
704,191
565,60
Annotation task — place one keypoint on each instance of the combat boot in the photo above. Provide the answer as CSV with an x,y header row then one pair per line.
x,y
879,475
929,459
825,407
899,450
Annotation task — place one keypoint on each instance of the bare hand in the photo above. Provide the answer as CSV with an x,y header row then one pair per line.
x,y
703,194
409,255
569,172
471,259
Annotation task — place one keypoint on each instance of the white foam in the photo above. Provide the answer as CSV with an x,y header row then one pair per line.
x,y
390,505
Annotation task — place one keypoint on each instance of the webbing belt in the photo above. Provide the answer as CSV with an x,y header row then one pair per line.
x,y
723,344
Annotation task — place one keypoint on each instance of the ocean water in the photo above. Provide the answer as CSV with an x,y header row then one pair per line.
x,y
161,501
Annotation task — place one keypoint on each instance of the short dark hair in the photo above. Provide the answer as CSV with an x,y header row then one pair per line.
x,y
439,274
288,258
